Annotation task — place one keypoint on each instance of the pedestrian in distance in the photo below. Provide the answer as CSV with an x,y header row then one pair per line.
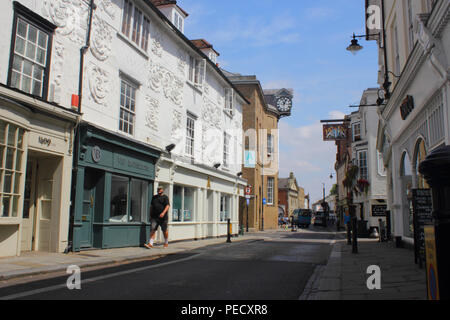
x,y
159,217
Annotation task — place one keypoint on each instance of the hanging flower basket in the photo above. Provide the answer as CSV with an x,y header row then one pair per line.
x,y
350,176
363,185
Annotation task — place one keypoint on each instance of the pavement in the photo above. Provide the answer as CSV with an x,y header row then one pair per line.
x,y
42,263
345,276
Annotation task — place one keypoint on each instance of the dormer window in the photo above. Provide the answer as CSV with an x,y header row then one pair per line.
x,y
178,21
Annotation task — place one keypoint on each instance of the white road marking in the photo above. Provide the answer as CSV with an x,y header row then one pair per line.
x,y
112,275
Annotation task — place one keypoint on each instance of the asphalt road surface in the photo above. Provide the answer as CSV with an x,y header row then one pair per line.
x,y
275,268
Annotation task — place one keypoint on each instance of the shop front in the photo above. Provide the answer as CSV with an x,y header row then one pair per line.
x,y
114,184
35,173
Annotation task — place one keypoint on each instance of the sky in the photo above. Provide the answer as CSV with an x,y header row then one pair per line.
x,y
298,44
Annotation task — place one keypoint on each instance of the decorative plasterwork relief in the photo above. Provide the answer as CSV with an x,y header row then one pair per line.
x,y
57,70
162,79
157,48
211,113
99,84
108,8
151,116
101,39
177,131
70,16
211,144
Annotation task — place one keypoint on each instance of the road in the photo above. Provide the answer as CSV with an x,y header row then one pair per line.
x,y
276,267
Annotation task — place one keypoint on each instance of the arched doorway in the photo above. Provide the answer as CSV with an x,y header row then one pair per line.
x,y
420,155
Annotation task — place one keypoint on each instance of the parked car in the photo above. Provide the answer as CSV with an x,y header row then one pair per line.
x,y
320,219
302,217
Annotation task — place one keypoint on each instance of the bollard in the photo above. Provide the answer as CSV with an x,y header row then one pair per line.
x,y
436,171
355,235
229,231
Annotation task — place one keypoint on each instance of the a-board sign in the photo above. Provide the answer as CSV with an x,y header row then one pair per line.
x,y
423,216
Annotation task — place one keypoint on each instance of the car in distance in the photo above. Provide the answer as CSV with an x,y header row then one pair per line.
x,y
302,217
320,219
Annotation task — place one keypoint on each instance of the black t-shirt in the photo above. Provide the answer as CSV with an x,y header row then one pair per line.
x,y
159,203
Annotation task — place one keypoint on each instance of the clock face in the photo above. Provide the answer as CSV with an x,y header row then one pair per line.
x,y
284,104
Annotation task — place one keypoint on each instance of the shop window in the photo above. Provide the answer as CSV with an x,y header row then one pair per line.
x,y
183,204
11,168
30,56
225,206
129,200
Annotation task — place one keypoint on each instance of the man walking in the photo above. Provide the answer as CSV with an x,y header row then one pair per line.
x,y
159,217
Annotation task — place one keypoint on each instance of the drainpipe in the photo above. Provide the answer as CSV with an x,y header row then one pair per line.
x,y
83,51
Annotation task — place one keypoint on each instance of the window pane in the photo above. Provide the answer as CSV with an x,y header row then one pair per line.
x,y
19,161
15,80
22,28
12,135
37,86
2,149
7,182
32,34
119,199
26,84
31,50
139,196
47,191
9,158
20,46
2,132
17,63
15,207
177,203
27,68
42,40
188,204
40,56
6,202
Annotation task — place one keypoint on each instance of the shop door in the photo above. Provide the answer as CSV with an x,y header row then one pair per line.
x,y
29,208
86,231
45,199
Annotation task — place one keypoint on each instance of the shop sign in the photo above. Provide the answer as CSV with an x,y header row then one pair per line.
x,y
334,132
96,154
45,141
379,210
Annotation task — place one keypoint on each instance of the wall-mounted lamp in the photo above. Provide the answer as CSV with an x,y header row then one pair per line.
x,y
217,165
170,147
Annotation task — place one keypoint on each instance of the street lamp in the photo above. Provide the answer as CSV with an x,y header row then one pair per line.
x,y
355,48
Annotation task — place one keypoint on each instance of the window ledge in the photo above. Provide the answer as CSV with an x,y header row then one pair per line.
x,y
194,86
134,46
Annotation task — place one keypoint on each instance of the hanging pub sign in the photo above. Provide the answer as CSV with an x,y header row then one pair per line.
x,y
422,216
407,107
333,132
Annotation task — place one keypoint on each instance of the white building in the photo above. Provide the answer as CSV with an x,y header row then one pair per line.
x,y
416,119
145,87
371,196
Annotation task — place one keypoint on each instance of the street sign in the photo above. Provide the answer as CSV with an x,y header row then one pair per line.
x,y
248,191
248,201
264,201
